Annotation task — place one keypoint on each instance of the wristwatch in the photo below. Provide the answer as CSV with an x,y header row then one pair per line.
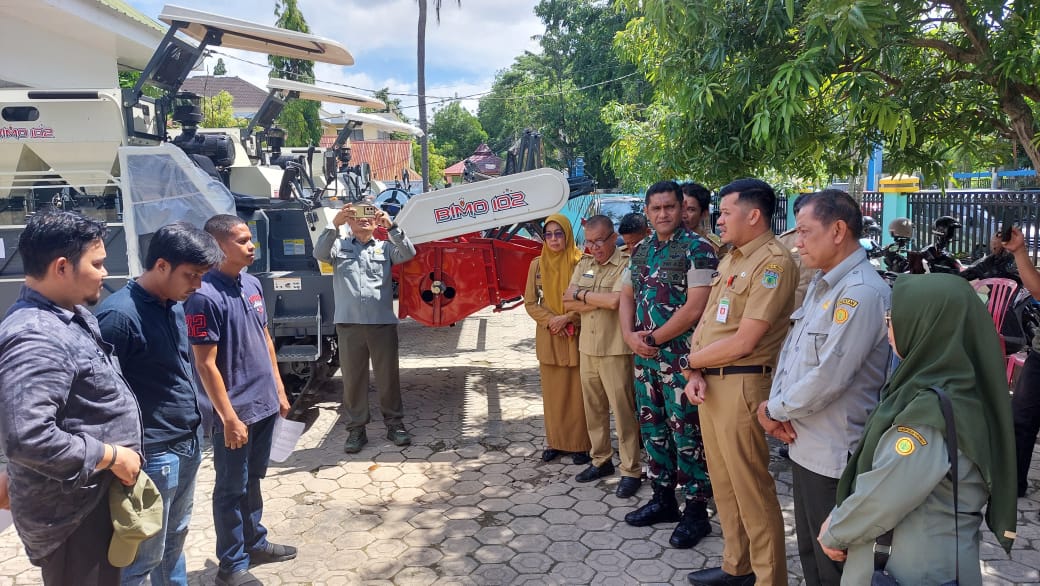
x,y
769,415
650,341
684,362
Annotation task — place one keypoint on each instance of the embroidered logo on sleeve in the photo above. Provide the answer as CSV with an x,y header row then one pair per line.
x,y
770,277
905,446
841,315
912,433
848,301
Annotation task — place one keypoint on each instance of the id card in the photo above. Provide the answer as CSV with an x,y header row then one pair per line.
x,y
723,312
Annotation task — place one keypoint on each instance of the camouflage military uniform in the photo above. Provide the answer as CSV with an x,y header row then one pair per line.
x,y
660,273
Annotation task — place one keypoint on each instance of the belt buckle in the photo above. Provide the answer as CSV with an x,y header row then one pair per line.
x,y
882,549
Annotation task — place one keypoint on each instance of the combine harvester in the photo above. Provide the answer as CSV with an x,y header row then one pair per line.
x,y
107,153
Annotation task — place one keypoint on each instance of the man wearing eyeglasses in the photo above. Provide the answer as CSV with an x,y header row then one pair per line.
x,y
605,360
831,367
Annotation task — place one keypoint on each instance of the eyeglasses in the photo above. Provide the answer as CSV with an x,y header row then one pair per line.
x,y
600,242
556,234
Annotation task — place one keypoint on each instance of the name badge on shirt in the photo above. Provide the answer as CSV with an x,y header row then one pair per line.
x,y
377,253
723,312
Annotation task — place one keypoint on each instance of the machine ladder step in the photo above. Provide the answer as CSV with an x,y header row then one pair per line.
x,y
298,353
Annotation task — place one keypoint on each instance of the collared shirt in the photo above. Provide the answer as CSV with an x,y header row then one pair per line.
x,y
362,285
62,398
151,341
229,312
660,274
755,281
833,364
600,333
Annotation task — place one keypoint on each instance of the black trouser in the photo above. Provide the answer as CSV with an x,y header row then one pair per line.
x,y
814,497
82,559
1025,407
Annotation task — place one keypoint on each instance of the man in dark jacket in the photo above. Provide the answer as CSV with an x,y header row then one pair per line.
x,y
68,422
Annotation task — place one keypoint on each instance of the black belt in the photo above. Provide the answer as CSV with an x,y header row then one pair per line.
x,y
727,370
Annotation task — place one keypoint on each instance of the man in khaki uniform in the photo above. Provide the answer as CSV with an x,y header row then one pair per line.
x,y
729,369
606,361
805,274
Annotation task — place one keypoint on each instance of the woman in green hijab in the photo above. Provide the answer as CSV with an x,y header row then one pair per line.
x,y
897,478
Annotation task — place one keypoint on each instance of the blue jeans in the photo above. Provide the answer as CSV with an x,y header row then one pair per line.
x,y
237,502
173,469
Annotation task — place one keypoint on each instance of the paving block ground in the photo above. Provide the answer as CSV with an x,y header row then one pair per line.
x,y
470,501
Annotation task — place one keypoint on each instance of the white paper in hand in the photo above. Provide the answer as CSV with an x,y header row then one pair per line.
x,y
286,434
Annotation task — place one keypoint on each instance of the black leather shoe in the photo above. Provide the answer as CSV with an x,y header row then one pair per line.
x,y
595,472
239,578
580,458
549,454
662,508
271,553
628,487
716,577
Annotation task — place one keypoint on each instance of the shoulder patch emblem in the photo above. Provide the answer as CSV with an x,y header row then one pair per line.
x,y
905,446
774,267
913,433
847,301
770,278
841,315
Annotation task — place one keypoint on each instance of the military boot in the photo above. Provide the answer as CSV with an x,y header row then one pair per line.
x,y
693,526
662,508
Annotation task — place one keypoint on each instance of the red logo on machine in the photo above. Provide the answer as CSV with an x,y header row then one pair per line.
x,y
479,207
20,133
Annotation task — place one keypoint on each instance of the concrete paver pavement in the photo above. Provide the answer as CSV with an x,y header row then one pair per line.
x,y
470,501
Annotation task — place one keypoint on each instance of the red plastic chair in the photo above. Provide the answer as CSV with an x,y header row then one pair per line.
x,y
1000,295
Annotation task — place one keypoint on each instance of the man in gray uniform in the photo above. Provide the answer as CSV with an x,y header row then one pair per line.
x,y
365,320
831,366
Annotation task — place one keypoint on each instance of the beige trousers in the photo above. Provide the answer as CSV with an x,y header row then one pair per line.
x,y
607,385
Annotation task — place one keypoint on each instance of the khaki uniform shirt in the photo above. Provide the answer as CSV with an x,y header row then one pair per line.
x,y
754,281
601,328
805,275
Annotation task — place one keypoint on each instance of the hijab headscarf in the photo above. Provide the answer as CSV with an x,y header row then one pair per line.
x,y
557,267
947,339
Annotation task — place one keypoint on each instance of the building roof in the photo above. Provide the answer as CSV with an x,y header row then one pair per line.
x,y
386,158
247,97
486,161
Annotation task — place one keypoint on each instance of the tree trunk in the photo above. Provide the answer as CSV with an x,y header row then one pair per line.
x,y
1022,123
424,140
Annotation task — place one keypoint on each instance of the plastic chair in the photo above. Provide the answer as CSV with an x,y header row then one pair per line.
x,y
1000,295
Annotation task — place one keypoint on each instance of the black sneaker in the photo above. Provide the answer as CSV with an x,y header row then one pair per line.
x,y
239,578
271,553
355,440
396,433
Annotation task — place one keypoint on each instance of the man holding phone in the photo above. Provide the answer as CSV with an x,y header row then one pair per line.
x,y
365,321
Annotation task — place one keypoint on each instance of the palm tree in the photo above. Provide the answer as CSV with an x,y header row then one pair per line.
x,y
424,141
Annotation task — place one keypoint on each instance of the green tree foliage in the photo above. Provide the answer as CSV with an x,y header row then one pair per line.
x,y
438,163
456,132
219,112
809,87
220,68
300,118
561,91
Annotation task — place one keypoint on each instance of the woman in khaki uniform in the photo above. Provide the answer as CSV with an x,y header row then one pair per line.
x,y
556,342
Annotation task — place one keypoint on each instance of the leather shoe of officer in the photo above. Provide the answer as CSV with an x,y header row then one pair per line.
x,y
628,487
716,577
594,472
